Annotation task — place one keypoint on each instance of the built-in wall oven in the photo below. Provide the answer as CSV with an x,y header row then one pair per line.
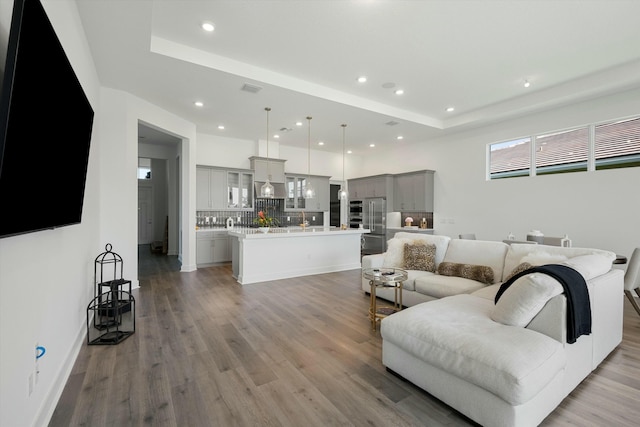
x,y
355,213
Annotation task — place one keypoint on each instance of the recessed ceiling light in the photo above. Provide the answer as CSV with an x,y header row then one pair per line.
x,y
221,127
349,151
362,79
450,109
320,143
527,83
298,123
198,104
399,91
372,145
276,136
399,137
208,26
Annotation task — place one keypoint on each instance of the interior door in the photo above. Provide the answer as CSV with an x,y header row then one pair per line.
x,y
145,215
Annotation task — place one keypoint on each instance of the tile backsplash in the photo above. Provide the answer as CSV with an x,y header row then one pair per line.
x,y
273,207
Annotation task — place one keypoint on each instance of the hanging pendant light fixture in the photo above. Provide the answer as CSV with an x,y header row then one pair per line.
x,y
309,192
267,189
342,193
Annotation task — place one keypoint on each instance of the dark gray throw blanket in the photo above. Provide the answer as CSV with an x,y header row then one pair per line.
x,y
575,289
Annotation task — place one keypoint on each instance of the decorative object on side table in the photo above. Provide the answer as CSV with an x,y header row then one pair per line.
x,y
264,222
408,221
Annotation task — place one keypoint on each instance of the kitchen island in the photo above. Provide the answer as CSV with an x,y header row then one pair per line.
x,y
292,252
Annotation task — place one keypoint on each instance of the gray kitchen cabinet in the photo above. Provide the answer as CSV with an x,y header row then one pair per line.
x,y
321,201
239,195
371,186
210,188
263,167
294,188
212,247
413,191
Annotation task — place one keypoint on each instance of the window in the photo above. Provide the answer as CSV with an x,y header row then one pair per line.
x,y
614,144
617,144
565,151
510,158
144,168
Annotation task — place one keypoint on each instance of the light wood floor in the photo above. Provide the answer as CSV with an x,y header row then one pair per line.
x,y
299,352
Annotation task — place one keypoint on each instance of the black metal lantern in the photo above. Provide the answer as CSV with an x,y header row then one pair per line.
x,y
111,313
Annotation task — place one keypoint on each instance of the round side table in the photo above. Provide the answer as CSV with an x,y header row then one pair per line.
x,y
384,278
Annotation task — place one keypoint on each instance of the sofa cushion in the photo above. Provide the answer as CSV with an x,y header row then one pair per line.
x,y
519,250
589,266
524,299
412,276
418,256
438,286
457,335
478,252
441,242
480,273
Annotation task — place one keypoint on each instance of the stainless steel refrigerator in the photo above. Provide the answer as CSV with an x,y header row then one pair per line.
x,y
374,217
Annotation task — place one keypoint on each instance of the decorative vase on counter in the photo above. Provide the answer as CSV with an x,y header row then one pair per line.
x,y
263,229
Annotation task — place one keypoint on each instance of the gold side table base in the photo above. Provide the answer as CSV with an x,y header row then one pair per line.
x,y
384,278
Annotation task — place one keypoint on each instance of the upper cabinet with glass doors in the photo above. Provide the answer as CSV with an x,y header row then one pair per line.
x,y
240,190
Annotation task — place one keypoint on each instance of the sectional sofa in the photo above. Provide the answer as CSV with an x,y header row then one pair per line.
x,y
504,363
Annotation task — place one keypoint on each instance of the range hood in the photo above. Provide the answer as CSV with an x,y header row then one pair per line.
x,y
278,190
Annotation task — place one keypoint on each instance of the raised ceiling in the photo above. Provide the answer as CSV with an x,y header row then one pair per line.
x,y
306,57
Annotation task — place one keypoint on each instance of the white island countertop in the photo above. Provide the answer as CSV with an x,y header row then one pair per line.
x,y
287,232
292,252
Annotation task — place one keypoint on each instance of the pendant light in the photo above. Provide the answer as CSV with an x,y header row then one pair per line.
x,y
267,190
309,192
342,193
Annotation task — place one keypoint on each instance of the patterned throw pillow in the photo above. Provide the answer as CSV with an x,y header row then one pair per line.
x,y
479,273
520,268
418,256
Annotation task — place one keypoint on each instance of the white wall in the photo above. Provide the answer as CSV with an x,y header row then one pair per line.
x,y
214,150
121,113
46,278
596,209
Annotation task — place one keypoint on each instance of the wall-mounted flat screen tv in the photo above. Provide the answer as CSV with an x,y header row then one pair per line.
x,y
45,128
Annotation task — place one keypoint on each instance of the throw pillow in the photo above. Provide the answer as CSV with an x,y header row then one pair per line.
x,y
480,273
524,299
589,266
394,255
541,258
519,269
418,256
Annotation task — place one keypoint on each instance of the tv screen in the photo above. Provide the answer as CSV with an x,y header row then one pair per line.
x,y
45,128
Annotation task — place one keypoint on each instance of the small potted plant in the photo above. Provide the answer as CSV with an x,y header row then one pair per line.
x,y
264,222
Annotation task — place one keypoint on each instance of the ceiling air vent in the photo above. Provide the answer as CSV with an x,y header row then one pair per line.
x,y
251,88
392,123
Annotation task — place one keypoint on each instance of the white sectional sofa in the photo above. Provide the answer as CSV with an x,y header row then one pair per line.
x,y
501,364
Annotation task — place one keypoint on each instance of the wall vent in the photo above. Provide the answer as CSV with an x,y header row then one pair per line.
x,y
251,88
